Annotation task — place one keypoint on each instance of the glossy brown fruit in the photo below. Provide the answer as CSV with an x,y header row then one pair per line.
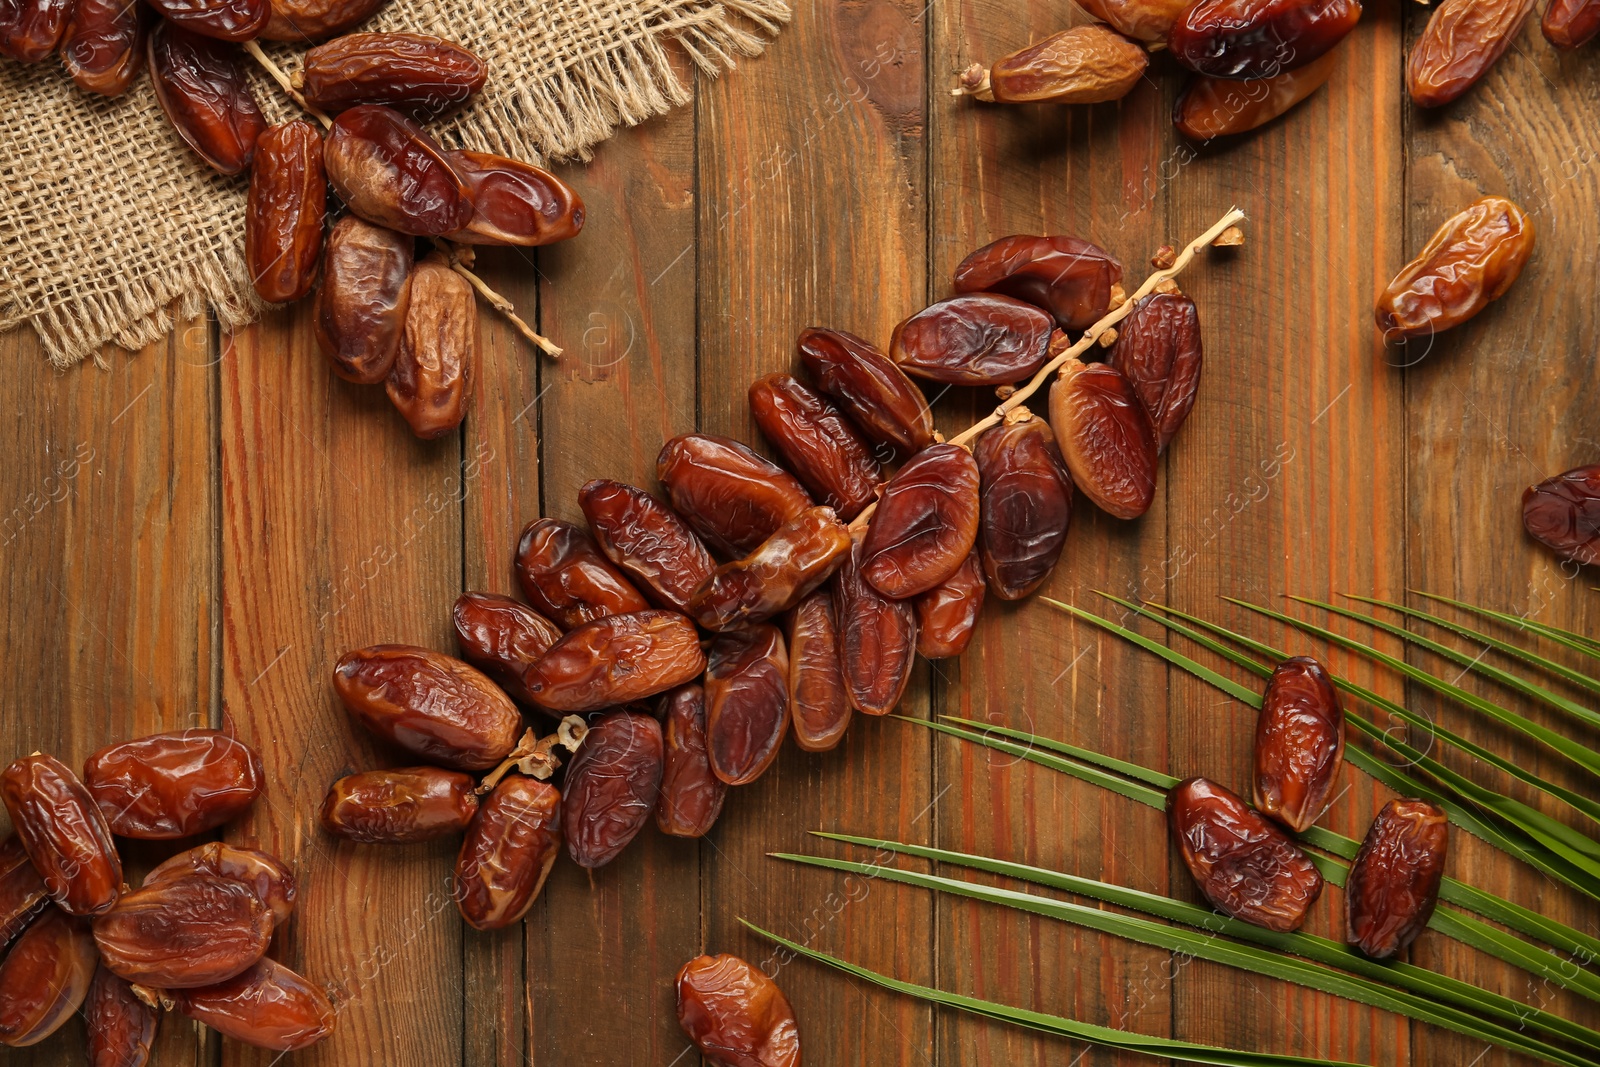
x,y
1087,64
185,932
1222,107
1242,862
1471,260
1158,349
1068,277
121,1027
430,383
648,540
286,211
1025,504
1563,513
1106,437
102,47
1394,879
31,29
616,660
362,302
747,702
802,555
64,833
818,698
264,875
1144,20
886,405
45,978
415,73
947,614
877,640
268,1006
391,171
1258,38
1461,42
925,525
399,806
1299,744
201,86
732,497
516,203
226,20
691,794
976,339
311,20
173,785
735,1014
611,787
1571,23
22,892
508,852
502,638
817,441
566,578
429,704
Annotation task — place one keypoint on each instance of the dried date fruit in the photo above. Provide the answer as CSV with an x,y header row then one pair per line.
x,y
1299,744
502,638
948,613
173,785
566,578
976,339
362,302
399,806
45,978
102,47
64,833
747,702
415,73
648,540
202,89
1025,507
263,875
885,404
183,933
818,698
1144,20
31,29
391,171
1158,349
1563,513
616,660
312,20
1222,107
1084,65
1571,23
877,640
226,20
516,203
1106,437
285,213
611,787
691,794
430,383
925,525
818,442
802,555
268,1006
1394,879
1462,40
1258,38
429,704
121,1027
736,1015
1469,261
508,852
1242,862
1066,276
732,497
22,892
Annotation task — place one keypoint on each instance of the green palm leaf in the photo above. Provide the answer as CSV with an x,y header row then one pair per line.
x,y
1577,642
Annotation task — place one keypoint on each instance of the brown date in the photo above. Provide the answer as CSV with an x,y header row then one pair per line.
x,y
567,579
611,787
818,442
45,978
121,1027
885,404
201,87
391,171
1068,277
184,932
102,47
802,555
508,852
1258,38
747,702
285,213
268,1006
430,383
311,20
362,302
735,1014
64,833
1563,513
1025,504
947,614
1222,107
22,892
502,638
173,785
415,73
818,698
1571,23
1394,879
732,497
616,660
691,795
516,203
926,523
1299,744
1471,260
1106,437
1158,350
976,339
877,640
1144,20
264,875
1244,865
648,540
1084,65
399,806
429,704
31,29
226,20
1461,42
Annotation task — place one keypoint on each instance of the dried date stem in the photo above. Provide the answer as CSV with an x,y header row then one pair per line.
x,y
284,83
536,756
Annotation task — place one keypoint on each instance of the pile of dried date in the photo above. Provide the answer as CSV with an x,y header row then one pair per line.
x,y
193,936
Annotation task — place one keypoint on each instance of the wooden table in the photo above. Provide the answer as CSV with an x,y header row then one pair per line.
x,y
196,532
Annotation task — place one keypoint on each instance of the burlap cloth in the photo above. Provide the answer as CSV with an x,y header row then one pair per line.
x,y
108,224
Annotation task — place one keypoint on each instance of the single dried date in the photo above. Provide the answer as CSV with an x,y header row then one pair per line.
x,y
982,339
1259,38
390,171
31,29
502,638
184,933
800,556
747,702
1563,513
121,1027
926,523
1470,261
1084,65
226,20
1222,107
947,614
732,497
399,806
262,874
1106,437
616,660
1025,496
1066,276
647,539
430,383
818,442
45,978
418,74
312,20
1299,744
735,1014
1144,20
1395,877
508,852
819,701
885,404
1158,349
285,212
173,785
691,794
877,640
516,203
1571,23
611,787
102,47
64,833
1461,42
564,576
268,1006
202,89
362,302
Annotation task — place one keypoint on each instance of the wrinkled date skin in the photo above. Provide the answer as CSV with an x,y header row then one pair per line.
x,y
268,1006
102,48
817,441
1242,862
1068,277
1563,513
226,20
285,213
1084,65
691,794
185,932
566,578
1158,349
508,852
885,404
1259,38
429,704
947,614
263,875
978,339
747,702
502,638
516,203
1106,437
121,1027
1222,107
1471,260
312,20
611,787
802,555
22,892
1144,20
1025,504
430,383
399,806
173,785
648,540
1571,23
390,171
362,302
735,1014
415,73
201,87
45,978
925,525
1299,744
818,698
64,833
877,640
616,660
732,497
1394,879
31,29
1462,41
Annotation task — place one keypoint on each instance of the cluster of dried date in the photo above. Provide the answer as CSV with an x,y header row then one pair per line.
x,y
193,936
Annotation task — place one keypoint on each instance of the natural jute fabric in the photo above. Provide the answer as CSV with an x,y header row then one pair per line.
x,y
108,223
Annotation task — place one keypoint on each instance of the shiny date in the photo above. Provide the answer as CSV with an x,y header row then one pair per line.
x,y
877,640
502,638
285,212
311,20
947,614
691,794
268,1006
362,302
415,73
818,700
263,875
647,539
818,442
201,87
925,525
1299,744
183,933
173,785
1395,877
564,576
616,660
1068,277
430,383
1084,65
516,203
1259,38
732,497
1470,261
1158,349
390,171
121,1027
1571,23
45,978
1144,20
747,702
102,47
800,556
1461,42
226,20
1106,437
611,787
1222,107
1025,504
64,833
981,339
1563,513
735,1014
31,29
508,852
885,404
399,806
